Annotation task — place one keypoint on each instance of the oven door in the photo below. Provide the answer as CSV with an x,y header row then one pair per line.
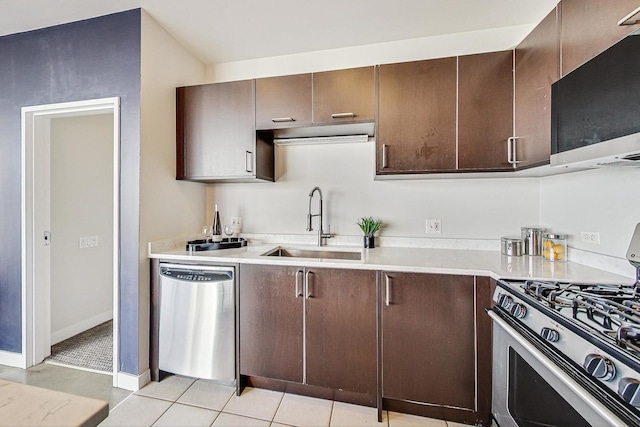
x,y
531,390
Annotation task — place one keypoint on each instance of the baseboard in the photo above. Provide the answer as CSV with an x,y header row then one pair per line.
x,y
133,382
9,358
81,326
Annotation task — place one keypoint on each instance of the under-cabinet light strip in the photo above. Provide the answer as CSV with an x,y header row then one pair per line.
x,y
322,140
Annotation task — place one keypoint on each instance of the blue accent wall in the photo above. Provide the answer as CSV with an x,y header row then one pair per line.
x,y
95,58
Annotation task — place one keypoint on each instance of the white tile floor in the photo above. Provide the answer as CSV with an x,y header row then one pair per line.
x,y
178,401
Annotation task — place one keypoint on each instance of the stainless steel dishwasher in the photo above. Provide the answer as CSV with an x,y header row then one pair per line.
x,y
197,321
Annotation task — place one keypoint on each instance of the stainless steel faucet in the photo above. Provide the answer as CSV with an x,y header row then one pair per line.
x,y
321,234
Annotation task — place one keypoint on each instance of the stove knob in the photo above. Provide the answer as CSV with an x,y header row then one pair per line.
x,y
518,310
505,301
550,335
600,367
629,390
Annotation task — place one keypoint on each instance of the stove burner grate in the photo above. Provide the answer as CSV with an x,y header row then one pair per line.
x,y
610,310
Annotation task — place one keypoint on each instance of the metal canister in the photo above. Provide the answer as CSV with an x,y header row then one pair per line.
x,y
532,238
511,246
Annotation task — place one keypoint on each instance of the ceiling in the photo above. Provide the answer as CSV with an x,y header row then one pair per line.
x,y
218,31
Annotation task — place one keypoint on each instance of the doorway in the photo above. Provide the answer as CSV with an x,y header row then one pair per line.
x,y
70,235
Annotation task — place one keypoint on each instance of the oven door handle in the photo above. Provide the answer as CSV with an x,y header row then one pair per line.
x,y
555,370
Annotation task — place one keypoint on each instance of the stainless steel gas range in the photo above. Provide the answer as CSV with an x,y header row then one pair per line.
x,y
567,354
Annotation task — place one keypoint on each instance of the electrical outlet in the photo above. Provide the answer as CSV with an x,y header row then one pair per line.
x,y
434,226
236,223
88,242
590,237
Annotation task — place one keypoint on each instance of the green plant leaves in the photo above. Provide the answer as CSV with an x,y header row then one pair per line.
x,y
369,226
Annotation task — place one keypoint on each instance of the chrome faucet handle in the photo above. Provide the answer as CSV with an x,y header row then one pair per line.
x,y
323,235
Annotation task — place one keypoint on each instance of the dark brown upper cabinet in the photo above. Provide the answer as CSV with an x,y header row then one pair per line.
x,y
344,96
326,98
445,115
416,125
485,110
537,68
283,101
591,26
215,134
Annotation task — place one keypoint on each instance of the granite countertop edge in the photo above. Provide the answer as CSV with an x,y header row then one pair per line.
x,y
475,262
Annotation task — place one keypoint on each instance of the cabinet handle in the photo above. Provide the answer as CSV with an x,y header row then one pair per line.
x,y
629,19
283,119
342,115
387,287
511,151
298,291
248,163
384,156
308,284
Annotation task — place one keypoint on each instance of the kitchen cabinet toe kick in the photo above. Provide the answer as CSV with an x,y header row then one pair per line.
x,y
337,395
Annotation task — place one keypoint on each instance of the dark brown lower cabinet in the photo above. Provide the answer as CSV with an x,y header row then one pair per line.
x,y
315,331
335,308
436,345
270,323
341,337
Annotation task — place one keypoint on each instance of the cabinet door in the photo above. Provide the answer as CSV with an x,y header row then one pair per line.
x,y
270,322
428,348
215,130
590,26
537,68
485,110
283,101
416,117
344,95
341,341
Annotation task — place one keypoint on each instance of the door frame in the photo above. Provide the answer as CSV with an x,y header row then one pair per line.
x,y
36,319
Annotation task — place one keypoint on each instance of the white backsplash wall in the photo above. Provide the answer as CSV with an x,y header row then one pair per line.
x,y
601,200
468,208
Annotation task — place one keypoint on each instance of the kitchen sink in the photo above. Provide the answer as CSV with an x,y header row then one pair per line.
x,y
313,253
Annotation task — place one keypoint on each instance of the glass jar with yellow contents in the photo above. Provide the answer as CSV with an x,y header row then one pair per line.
x,y
554,246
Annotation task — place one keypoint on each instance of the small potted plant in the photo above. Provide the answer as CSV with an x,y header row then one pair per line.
x,y
369,227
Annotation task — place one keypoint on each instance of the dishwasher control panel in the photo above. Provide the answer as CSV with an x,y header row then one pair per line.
x,y
194,275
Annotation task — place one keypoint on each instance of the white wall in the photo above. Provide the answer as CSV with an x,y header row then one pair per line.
x,y
168,208
81,205
601,200
468,208
381,53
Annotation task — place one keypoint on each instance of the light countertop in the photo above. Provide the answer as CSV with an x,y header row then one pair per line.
x,y
25,405
421,260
